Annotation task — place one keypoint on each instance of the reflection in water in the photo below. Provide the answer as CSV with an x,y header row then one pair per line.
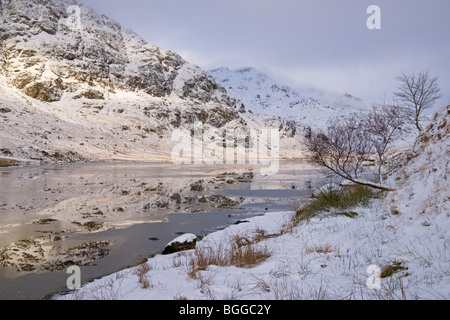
x,y
104,216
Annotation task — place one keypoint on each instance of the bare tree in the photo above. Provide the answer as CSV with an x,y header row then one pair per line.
x,y
384,126
417,92
352,145
344,149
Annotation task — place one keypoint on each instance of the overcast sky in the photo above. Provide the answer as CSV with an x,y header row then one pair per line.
x,y
321,43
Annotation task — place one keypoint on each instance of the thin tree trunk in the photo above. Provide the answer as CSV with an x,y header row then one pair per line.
x,y
372,185
418,124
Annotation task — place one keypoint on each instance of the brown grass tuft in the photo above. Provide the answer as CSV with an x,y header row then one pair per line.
x,y
392,268
321,249
242,253
141,270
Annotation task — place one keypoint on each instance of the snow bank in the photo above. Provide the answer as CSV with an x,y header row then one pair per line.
x,y
325,259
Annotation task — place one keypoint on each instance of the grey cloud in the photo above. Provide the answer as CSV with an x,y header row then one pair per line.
x,y
287,37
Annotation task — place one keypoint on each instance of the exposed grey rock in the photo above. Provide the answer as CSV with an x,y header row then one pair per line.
x,y
93,95
28,255
182,243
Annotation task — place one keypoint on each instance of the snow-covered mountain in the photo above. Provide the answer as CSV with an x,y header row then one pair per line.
x,y
264,96
75,84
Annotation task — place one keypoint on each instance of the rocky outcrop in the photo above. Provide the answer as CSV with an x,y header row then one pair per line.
x,y
45,54
185,242
48,91
33,255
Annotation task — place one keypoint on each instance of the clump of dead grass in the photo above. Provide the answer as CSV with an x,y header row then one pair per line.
x,y
238,251
141,270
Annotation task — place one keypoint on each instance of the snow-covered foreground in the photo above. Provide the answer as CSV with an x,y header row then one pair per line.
x,y
327,258
395,248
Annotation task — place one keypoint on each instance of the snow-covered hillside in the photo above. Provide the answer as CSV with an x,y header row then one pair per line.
x,y
264,96
423,180
397,247
94,90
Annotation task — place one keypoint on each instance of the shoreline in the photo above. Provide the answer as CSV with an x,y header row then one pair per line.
x,y
8,162
245,228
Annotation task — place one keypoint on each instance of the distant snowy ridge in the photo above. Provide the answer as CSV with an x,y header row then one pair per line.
x,y
264,96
